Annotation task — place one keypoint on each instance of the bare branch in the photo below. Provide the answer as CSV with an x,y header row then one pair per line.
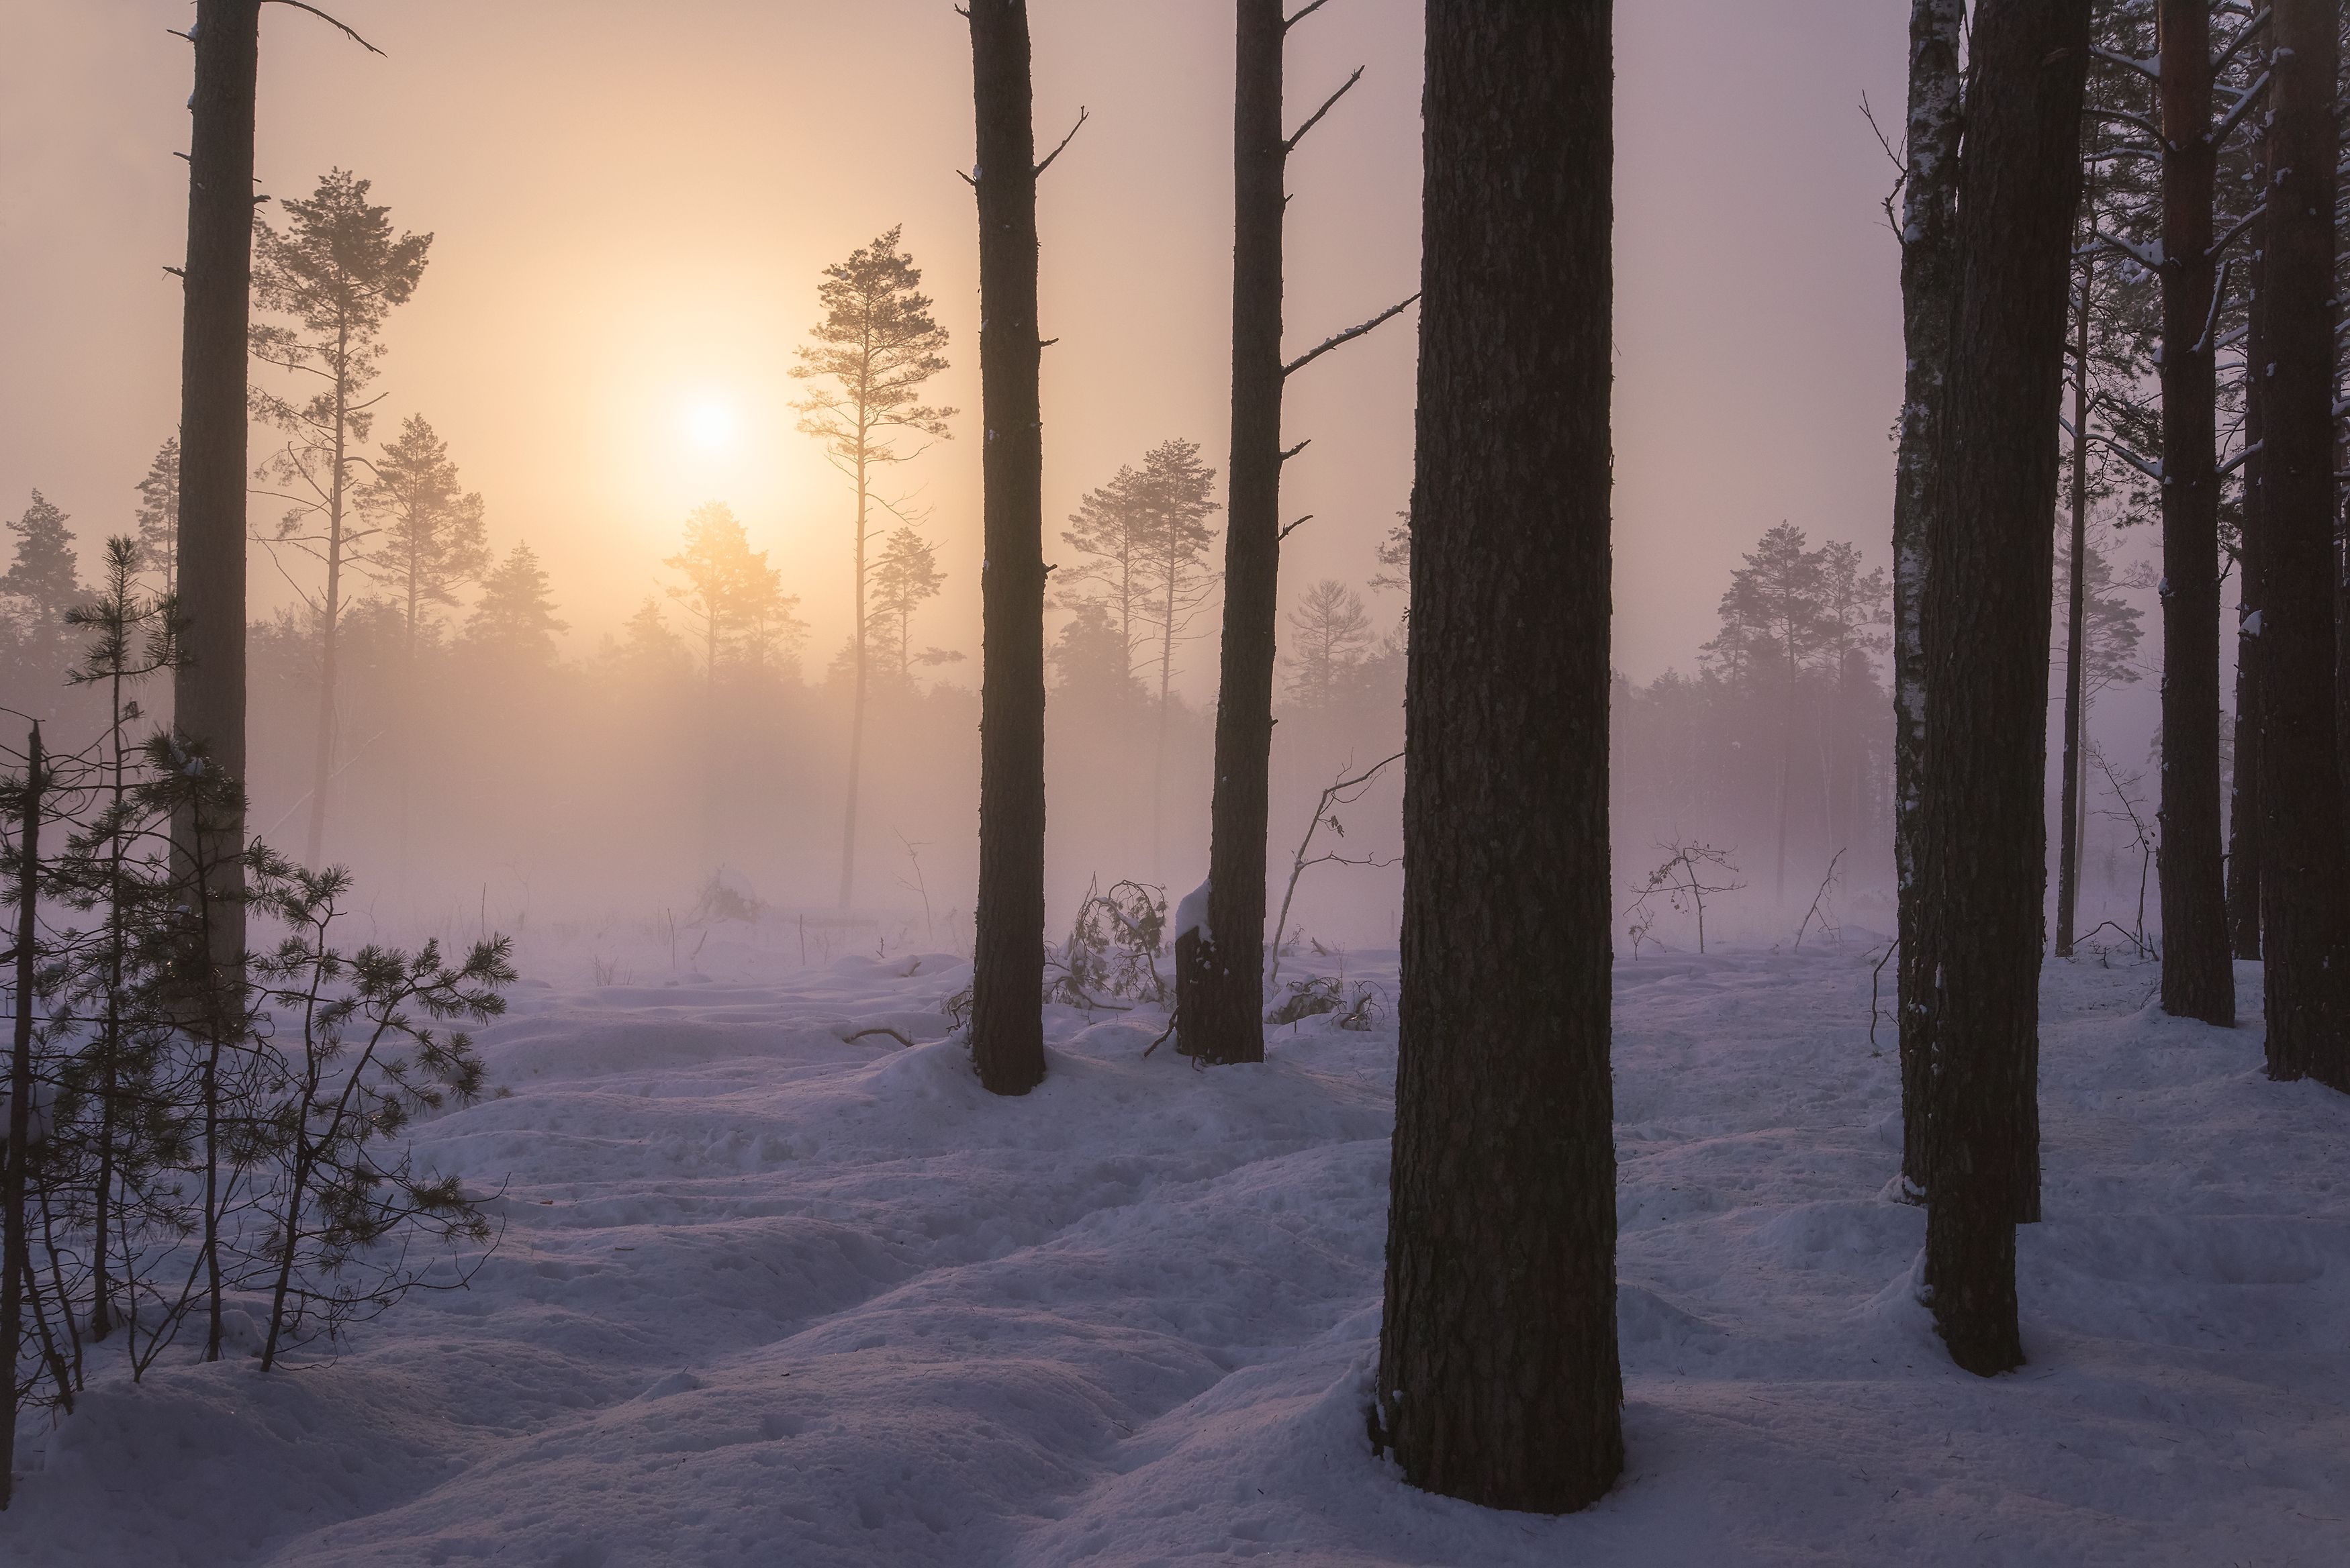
x,y
1065,142
2237,460
1289,451
1301,13
1312,119
1294,527
1349,335
333,22
878,1029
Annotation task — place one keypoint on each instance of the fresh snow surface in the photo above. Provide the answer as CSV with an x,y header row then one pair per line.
x,y
766,1297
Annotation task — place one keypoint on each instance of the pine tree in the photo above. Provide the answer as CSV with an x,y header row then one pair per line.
x,y
1986,629
1220,993
337,271
740,617
42,577
514,619
1147,534
430,541
906,578
1929,281
159,516
1775,620
736,602
1498,1377
2197,975
1007,1023
208,699
875,349
1333,631
2306,917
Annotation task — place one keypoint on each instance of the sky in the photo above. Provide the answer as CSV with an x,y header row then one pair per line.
x,y
631,207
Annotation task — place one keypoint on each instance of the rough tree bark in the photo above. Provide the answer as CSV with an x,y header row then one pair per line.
x,y
1007,1017
2068,850
2303,903
208,683
2199,980
1928,283
1221,995
2243,890
1499,1380
1986,623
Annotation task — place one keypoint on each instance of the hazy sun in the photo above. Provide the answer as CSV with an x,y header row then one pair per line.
x,y
710,425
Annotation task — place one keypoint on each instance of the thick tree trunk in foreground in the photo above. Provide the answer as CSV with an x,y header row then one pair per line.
x,y
1007,1019
2305,884
1987,586
1498,1377
2068,849
1222,996
2199,980
208,686
2251,575
1928,284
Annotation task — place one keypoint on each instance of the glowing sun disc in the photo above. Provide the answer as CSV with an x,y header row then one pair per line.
x,y
710,426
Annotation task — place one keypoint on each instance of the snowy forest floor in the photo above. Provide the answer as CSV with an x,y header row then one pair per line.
x,y
767,1297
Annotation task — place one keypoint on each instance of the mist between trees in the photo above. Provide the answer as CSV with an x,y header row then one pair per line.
x,y
537,785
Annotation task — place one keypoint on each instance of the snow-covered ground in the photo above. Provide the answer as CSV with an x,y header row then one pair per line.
x,y
767,1297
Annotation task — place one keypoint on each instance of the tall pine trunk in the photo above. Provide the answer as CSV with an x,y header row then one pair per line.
x,y
2303,904
208,682
1986,625
15,1266
1929,278
2068,849
1221,993
331,626
2251,576
1498,1380
2198,981
857,702
1007,1021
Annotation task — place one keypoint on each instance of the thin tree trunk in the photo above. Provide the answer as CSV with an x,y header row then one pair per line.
x,y
2198,979
1159,747
857,703
2068,847
1498,1379
208,682
15,1245
1928,288
1221,997
1007,1024
322,756
1986,625
2302,902
2252,577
